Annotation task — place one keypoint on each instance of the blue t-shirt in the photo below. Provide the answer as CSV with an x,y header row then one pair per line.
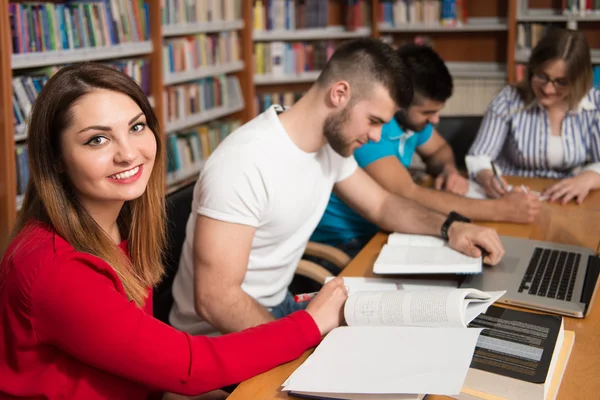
x,y
340,223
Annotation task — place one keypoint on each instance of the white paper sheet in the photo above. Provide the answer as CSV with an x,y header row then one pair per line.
x,y
388,360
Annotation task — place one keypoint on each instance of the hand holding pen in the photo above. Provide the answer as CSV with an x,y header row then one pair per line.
x,y
495,186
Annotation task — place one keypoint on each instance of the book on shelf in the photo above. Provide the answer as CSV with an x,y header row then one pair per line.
x,y
421,327
280,15
519,355
76,24
422,254
434,12
26,87
201,95
290,58
200,51
580,7
265,100
181,12
190,147
22,161
529,34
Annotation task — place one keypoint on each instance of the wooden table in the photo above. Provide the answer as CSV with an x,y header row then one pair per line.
x,y
570,224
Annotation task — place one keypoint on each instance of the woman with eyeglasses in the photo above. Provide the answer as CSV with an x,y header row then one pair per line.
x,y
547,125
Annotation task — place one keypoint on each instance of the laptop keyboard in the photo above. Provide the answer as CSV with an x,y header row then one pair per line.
x,y
551,273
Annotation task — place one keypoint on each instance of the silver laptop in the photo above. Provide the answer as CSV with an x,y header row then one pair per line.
x,y
545,276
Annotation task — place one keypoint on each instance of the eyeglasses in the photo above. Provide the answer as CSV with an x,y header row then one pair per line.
x,y
558,83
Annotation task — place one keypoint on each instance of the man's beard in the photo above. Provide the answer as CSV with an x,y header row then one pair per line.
x,y
406,124
332,129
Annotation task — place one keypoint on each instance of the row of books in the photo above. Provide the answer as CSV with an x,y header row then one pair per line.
x,y
201,95
580,7
38,27
284,58
203,50
401,12
187,12
262,101
529,34
189,148
27,87
300,14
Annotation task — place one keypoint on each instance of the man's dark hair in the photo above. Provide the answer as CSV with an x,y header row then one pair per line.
x,y
428,72
364,62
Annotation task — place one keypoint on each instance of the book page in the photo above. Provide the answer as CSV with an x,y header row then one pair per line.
x,y
439,308
405,239
419,260
387,360
361,284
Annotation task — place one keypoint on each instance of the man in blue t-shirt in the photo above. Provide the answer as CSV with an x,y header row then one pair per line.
x,y
411,131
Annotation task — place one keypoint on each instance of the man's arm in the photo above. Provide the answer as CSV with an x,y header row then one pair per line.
x,y
386,210
221,253
395,178
397,214
439,158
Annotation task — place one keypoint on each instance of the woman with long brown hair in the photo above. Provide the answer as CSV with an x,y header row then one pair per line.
x,y
75,288
546,126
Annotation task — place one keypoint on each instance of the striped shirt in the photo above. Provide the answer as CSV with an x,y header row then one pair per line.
x,y
517,139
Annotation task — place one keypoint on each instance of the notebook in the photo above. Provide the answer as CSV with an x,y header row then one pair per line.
x,y
422,254
392,340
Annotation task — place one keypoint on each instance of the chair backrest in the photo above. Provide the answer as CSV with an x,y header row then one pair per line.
x,y
179,207
460,133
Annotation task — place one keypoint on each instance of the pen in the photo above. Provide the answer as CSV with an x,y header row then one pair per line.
x,y
299,298
497,176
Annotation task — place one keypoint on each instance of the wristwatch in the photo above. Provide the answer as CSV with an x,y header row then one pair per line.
x,y
452,217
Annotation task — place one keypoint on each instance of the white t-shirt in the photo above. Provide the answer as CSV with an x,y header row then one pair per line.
x,y
258,177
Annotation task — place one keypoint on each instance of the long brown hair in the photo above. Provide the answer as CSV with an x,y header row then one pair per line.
x,y
569,46
50,197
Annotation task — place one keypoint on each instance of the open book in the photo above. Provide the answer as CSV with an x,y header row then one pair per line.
x,y
398,343
422,254
442,307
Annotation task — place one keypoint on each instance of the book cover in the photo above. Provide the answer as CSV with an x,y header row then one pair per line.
x,y
515,343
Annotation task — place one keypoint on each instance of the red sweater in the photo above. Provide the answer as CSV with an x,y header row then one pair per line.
x,y
68,331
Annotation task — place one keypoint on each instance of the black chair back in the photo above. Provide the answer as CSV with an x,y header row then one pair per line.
x,y
179,207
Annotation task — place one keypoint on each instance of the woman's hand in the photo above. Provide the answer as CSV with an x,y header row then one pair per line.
x,y
327,308
576,188
489,182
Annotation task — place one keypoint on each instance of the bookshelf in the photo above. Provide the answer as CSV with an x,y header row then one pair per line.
x,y
480,51
533,17
159,31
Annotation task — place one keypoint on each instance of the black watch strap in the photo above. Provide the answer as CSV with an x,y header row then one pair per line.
x,y
452,217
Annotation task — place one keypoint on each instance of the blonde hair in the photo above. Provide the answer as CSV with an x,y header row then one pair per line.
x,y
569,46
50,199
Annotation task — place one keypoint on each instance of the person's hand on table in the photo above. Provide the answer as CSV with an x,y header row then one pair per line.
x,y
452,181
519,206
576,188
489,182
327,307
468,239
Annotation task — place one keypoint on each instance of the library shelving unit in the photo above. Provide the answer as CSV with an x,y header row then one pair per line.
x,y
160,79
333,28
532,14
239,88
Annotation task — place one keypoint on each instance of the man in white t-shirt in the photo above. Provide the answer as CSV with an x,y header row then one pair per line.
x,y
264,189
